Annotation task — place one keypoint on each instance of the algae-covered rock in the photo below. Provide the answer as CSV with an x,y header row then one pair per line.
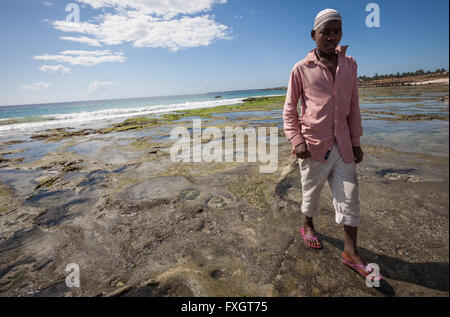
x,y
130,124
5,191
60,134
47,182
138,121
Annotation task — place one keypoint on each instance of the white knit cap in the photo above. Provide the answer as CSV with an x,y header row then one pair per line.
x,y
325,16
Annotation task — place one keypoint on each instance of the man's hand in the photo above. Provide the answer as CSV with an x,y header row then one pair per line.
x,y
357,151
302,151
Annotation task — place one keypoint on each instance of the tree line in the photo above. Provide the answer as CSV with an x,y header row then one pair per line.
x,y
403,75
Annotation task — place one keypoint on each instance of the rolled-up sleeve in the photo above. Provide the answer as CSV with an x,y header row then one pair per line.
x,y
354,117
291,122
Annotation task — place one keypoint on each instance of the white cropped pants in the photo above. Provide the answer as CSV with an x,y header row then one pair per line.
x,y
343,182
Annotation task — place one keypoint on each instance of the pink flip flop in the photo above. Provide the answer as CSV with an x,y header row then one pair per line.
x,y
362,270
306,237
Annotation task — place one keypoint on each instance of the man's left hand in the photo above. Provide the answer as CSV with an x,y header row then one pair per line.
x,y
357,151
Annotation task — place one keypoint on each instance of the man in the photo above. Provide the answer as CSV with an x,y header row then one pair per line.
x,y
326,138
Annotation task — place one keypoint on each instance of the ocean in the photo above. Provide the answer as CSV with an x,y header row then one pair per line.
x,y
25,120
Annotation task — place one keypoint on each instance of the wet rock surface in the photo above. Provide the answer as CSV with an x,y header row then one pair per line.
x,y
233,232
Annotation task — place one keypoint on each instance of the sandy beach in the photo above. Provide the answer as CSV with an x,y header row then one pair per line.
x,y
110,199
433,81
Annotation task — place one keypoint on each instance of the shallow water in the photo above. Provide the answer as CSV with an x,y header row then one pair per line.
x,y
428,137
90,148
61,205
36,150
409,108
241,114
266,121
190,118
22,182
94,178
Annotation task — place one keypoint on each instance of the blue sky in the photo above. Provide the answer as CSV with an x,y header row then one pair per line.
x,y
140,48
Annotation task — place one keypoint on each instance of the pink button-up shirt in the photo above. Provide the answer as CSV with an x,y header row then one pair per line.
x,y
329,108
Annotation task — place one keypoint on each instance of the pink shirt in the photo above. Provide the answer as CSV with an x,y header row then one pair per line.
x,y
329,109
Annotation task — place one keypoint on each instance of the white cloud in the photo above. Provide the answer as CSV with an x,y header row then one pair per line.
x,y
100,85
82,39
47,3
56,69
37,86
150,23
87,53
83,58
164,8
145,31
82,27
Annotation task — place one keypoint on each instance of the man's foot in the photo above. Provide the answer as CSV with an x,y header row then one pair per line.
x,y
355,262
309,235
353,257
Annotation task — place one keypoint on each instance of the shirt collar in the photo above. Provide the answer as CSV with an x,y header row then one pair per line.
x,y
311,56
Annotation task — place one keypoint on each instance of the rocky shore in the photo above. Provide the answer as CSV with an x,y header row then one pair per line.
x,y
112,201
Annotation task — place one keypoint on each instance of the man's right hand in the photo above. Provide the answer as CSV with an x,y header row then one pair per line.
x,y
302,151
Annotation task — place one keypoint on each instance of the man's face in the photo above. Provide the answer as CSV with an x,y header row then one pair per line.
x,y
328,36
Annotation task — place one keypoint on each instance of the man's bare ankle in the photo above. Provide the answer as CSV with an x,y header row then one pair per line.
x,y
308,224
351,252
